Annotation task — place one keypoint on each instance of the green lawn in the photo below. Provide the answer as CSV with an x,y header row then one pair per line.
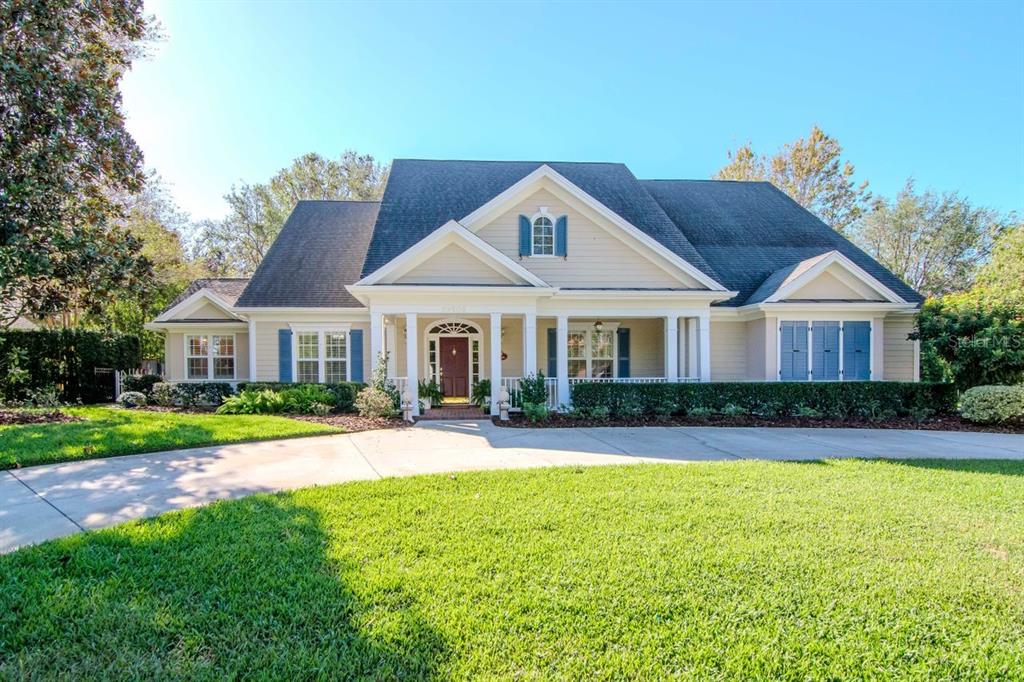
x,y
110,431
842,569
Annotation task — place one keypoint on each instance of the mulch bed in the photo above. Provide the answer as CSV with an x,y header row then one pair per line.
x,y
10,417
943,423
353,422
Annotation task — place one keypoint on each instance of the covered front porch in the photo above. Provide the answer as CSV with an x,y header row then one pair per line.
x,y
460,347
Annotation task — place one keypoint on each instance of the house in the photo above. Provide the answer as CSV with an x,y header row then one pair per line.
x,y
471,270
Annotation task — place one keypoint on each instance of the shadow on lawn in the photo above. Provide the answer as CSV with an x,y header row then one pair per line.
x,y
246,588
1007,467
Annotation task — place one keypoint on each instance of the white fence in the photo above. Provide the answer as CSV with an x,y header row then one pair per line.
x,y
119,378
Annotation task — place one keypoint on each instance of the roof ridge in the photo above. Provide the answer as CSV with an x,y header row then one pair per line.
x,y
590,163
745,182
339,201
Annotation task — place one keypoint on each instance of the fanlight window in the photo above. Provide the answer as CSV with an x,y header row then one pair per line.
x,y
452,328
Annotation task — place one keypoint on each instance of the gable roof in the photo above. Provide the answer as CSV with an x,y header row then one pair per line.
x,y
320,249
422,195
750,232
227,289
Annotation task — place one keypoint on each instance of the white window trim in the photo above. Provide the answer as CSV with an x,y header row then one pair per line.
x,y
542,213
588,355
810,348
320,330
210,356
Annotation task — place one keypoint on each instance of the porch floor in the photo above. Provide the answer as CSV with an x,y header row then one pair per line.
x,y
460,411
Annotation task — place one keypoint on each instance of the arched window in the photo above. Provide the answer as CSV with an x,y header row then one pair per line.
x,y
543,236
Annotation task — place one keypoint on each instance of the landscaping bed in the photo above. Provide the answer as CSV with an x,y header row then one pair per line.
x,y
353,423
12,417
954,422
841,569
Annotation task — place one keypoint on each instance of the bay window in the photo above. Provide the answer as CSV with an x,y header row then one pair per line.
x,y
210,357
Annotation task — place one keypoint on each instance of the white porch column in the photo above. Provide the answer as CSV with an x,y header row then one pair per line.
x,y
391,346
411,365
376,338
692,369
705,346
562,356
529,344
495,361
252,349
671,347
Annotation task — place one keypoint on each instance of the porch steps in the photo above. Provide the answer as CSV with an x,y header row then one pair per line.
x,y
457,411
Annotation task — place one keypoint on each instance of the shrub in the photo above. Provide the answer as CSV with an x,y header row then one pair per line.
x,y
320,409
164,394
700,412
481,394
733,410
132,399
430,389
534,389
142,383
808,412
840,399
343,394
253,402
46,396
373,401
190,394
993,404
300,398
536,412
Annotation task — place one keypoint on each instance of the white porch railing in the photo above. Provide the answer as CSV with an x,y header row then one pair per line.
x,y
120,376
512,385
400,383
632,380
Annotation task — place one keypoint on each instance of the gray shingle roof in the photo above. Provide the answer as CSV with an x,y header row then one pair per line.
x,y
751,231
423,195
228,288
320,249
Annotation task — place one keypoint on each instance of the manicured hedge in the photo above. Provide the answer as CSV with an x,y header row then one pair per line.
x,y
66,359
344,392
769,399
191,393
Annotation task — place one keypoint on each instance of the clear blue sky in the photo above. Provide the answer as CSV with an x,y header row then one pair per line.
x,y
929,90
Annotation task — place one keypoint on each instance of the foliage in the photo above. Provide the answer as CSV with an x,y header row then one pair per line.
x,y
431,389
132,399
375,402
257,212
935,243
993,404
534,389
44,396
811,171
191,393
733,410
253,402
306,398
142,383
342,394
106,432
65,358
65,151
1001,279
481,393
807,412
535,412
833,399
971,340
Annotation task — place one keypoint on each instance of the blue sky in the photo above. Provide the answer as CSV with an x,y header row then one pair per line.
x,y
929,90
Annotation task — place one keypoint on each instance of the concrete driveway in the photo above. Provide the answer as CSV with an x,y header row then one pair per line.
x,y
42,502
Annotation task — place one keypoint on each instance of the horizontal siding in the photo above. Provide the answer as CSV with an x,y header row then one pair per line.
x,y
267,367
174,352
595,257
899,350
728,351
452,265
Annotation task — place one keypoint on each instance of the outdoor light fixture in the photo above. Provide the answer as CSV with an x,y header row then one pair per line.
x,y
598,326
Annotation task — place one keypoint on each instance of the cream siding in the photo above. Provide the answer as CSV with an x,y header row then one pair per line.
x,y
899,350
267,353
207,311
596,258
728,351
877,349
453,265
828,287
757,331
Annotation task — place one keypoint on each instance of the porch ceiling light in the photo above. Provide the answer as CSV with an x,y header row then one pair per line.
x,y
598,326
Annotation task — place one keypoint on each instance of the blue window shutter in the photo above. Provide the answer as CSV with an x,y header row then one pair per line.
x,y
562,236
857,351
284,355
525,237
552,352
793,355
623,335
826,351
355,354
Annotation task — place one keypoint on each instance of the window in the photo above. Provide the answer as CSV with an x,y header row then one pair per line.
x,y
210,357
543,237
591,353
321,355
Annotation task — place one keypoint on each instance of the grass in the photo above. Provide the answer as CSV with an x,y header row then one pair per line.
x,y
834,570
110,431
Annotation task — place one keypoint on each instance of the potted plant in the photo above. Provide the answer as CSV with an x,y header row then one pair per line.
x,y
430,393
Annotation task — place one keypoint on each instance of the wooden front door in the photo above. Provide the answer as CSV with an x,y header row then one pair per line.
x,y
455,367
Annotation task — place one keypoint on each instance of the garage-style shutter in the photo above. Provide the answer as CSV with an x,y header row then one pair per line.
x,y
793,351
284,355
562,237
623,335
825,366
856,351
525,237
552,352
355,355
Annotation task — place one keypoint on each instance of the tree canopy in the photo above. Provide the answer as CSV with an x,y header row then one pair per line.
x,y
811,171
237,244
64,153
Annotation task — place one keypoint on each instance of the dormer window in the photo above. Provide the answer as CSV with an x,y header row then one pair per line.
x,y
543,236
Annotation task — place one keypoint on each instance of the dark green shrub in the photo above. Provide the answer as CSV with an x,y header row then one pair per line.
x,y
343,393
141,384
534,389
191,393
305,398
431,389
769,399
536,412
481,394
253,402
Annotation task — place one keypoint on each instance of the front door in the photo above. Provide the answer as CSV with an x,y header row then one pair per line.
x,y
455,367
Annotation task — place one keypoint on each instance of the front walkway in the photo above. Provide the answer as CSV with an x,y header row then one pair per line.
x,y
42,502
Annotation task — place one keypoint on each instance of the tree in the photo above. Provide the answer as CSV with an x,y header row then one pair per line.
x,y
1002,277
811,171
257,212
63,151
935,243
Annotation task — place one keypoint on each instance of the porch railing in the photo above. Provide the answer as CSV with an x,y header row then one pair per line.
x,y
515,393
632,380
